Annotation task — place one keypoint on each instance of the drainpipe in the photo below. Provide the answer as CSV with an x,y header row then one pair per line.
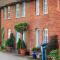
x,y
43,51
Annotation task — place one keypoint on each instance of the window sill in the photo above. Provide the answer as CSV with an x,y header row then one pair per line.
x,y
22,16
17,17
9,18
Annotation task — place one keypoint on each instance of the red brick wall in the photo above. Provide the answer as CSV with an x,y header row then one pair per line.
x,y
51,20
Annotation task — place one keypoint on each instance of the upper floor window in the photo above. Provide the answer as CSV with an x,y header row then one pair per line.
x,y
45,35
8,12
37,7
17,10
23,9
45,6
5,11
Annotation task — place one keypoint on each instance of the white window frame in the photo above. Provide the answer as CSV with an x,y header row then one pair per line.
x,y
9,32
23,8
5,13
9,12
37,38
45,35
18,10
37,7
45,6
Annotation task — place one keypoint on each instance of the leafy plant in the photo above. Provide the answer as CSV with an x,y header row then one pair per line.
x,y
53,44
10,41
21,44
54,53
36,49
21,27
3,40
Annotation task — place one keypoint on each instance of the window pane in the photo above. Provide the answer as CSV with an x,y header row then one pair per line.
x,y
5,13
24,36
17,36
45,6
17,10
23,9
37,7
37,38
9,32
45,40
8,12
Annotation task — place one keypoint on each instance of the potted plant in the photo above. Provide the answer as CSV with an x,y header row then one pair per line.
x,y
35,52
20,27
10,43
21,47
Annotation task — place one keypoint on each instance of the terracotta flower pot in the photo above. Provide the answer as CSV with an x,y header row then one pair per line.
x,y
22,51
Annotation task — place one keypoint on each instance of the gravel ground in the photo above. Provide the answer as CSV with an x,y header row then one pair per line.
x,y
10,56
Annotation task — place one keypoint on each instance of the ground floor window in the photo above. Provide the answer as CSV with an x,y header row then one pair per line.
x,y
37,38
9,32
24,36
17,36
21,36
45,35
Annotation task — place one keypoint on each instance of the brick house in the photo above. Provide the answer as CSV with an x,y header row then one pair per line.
x,y
43,17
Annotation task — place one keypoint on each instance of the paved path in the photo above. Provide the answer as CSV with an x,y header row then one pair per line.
x,y
9,56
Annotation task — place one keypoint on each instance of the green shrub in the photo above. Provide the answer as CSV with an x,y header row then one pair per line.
x,y
20,44
54,53
36,49
21,27
2,35
10,41
53,44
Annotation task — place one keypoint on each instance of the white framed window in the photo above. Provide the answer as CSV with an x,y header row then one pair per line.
x,y
37,7
9,32
45,6
8,12
45,36
5,12
17,36
23,8
37,38
18,10
24,36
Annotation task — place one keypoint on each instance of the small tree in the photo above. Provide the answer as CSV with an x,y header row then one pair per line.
x,y
20,44
53,44
21,27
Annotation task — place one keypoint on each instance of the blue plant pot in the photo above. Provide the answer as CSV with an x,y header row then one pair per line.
x,y
34,55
